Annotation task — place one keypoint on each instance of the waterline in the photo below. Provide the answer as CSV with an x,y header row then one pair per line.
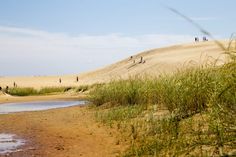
x,y
36,106
9,143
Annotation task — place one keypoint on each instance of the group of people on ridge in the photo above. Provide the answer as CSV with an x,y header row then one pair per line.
x,y
203,39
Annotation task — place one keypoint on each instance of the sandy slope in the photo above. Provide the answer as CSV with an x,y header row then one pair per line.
x,y
156,61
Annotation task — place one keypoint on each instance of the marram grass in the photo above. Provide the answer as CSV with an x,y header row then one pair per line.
x,y
202,108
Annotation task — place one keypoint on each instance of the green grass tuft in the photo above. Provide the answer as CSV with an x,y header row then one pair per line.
x,y
22,91
48,90
27,91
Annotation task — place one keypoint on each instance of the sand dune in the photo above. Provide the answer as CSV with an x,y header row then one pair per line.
x,y
157,61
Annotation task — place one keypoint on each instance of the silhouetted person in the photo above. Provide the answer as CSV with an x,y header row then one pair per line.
x,y
141,59
196,39
77,79
204,39
14,84
59,80
7,88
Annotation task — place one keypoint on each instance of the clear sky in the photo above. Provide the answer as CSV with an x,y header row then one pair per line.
x,y
51,37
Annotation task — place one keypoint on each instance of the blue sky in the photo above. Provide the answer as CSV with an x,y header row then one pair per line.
x,y
51,37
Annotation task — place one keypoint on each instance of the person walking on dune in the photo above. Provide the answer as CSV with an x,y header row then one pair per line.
x,y
14,85
141,59
6,90
204,39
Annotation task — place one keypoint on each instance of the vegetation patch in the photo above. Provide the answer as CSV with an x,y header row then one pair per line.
x,y
201,102
48,90
22,91
27,91
82,88
118,114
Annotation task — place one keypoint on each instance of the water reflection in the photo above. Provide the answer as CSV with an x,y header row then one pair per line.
x,y
9,143
36,106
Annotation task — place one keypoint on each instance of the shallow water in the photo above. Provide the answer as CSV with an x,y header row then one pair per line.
x,y
9,143
36,106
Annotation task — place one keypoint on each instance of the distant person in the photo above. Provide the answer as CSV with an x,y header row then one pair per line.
x,y
14,84
59,80
77,79
196,39
7,88
204,39
141,59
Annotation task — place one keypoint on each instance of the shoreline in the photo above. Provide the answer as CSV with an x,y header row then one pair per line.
x,y
70,131
4,98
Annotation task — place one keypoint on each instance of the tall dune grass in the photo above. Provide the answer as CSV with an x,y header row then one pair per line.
x,y
187,92
202,106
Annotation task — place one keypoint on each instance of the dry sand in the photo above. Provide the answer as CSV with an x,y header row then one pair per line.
x,y
157,61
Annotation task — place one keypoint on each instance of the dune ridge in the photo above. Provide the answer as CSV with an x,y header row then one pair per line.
x,y
155,62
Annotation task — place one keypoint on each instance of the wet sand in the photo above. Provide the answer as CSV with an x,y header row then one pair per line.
x,y
65,132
